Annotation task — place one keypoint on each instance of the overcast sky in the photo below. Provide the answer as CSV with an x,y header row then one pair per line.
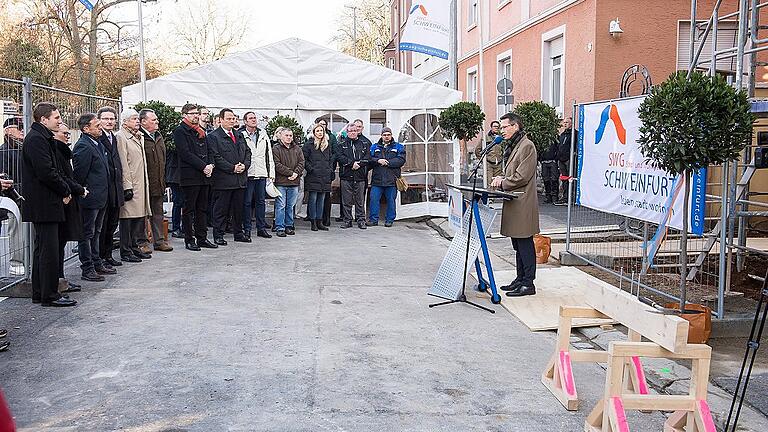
x,y
271,20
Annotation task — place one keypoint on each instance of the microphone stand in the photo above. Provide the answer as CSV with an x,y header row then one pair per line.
x,y
463,297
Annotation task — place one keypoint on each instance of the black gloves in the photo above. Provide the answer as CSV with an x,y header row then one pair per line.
x,y
128,194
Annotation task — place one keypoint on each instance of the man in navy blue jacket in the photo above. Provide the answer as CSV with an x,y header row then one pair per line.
x,y
91,169
387,157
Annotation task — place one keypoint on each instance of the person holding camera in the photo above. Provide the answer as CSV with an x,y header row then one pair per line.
x,y
130,146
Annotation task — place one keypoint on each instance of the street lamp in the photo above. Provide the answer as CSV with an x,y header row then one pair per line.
x,y
354,28
142,63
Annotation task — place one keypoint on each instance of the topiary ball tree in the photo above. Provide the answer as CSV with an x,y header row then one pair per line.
x,y
167,116
462,121
688,123
285,121
540,122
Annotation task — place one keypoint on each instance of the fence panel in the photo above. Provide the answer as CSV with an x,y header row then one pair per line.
x,y
13,266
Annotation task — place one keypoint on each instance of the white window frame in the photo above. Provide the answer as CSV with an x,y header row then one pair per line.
x,y
473,10
546,67
392,63
472,84
502,60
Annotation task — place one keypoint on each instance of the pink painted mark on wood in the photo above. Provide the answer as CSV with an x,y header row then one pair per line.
x,y
621,415
566,373
642,384
706,416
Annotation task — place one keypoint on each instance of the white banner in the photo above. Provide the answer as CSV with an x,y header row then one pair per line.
x,y
427,28
614,177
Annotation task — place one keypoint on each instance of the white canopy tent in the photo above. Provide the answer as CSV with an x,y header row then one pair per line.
x,y
309,81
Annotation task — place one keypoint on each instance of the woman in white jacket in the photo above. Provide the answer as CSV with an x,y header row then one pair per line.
x,y
262,168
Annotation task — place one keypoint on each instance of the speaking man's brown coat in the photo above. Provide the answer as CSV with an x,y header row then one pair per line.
x,y
520,217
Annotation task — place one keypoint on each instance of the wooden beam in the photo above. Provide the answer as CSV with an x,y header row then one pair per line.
x,y
581,312
658,402
596,356
669,331
649,349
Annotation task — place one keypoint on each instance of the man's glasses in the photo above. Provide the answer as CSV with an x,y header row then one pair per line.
x,y
193,113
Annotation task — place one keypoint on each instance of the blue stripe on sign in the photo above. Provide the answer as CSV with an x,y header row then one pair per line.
x,y
424,49
698,201
87,3
577,173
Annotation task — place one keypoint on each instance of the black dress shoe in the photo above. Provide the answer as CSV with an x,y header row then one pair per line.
x,y
142,255
321,227
130,258
242,239
73,285
220,241
92,276
345,225
113,262
290,231
280,233
522,291
514,286
177,234
105,270
70,290
206,244
61,302
192,246
362,225
263,233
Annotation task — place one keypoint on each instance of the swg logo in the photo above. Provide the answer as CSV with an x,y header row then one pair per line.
x,y
611,113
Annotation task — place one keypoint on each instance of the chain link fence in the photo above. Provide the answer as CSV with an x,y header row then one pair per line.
x,y
18,98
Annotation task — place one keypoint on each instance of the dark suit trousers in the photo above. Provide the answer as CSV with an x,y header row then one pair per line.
x,y
111,220
525,258
45,264
193,214
131,230
88,247
228,203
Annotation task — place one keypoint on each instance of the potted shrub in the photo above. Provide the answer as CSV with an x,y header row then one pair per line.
x,y
167,116
462,121
688,123
285,121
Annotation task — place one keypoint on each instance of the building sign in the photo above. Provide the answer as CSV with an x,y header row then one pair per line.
x,y
427,28
455,209
614,176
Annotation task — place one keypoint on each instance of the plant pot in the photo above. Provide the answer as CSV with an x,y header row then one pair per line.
x,y
699,318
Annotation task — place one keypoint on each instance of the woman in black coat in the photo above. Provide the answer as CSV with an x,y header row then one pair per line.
x,y
319,162
72,227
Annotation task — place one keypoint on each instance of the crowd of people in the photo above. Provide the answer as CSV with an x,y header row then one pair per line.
x,y
117,176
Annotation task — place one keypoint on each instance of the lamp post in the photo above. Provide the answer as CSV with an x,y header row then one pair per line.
x,y
354,29
142,62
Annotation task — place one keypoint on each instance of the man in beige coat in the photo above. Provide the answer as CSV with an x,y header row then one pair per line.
x,y
130,146
520,217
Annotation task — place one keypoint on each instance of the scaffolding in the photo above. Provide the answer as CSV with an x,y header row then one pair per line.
x,y
731,231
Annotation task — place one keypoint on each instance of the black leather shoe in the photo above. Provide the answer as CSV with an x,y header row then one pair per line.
x,y
369,223
70,290
143,255
113,262
192,246
321,227
92,276
220,241
206,244
130,258
290,230
105,270
362,225
346,225
263,233
280,233
61,302
522,291
514,286
177,234
73,285
242,239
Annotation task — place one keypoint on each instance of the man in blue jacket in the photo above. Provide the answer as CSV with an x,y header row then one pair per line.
x,y
387,157
91,169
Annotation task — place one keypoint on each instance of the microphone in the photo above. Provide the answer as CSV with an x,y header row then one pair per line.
x,y
496,141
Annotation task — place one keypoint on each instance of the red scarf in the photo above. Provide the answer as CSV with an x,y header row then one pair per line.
x,y
200,131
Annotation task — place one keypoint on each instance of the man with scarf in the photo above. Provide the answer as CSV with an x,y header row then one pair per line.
x,y
519,217
195,170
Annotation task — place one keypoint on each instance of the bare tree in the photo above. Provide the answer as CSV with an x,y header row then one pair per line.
x,y
206,31
372,30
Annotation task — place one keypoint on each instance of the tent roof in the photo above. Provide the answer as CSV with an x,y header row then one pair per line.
x,y
294,74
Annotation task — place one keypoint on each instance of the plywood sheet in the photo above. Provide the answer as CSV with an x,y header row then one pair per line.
x,y
555,287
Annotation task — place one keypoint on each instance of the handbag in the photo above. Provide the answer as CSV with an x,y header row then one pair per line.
x,y
272,191
401,184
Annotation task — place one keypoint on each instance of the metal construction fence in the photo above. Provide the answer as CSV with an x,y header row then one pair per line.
x,y
18,98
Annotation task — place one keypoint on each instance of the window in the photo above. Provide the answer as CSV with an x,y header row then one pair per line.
x,y
472,86
727,32
553,62
472,13
392,63
504,71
